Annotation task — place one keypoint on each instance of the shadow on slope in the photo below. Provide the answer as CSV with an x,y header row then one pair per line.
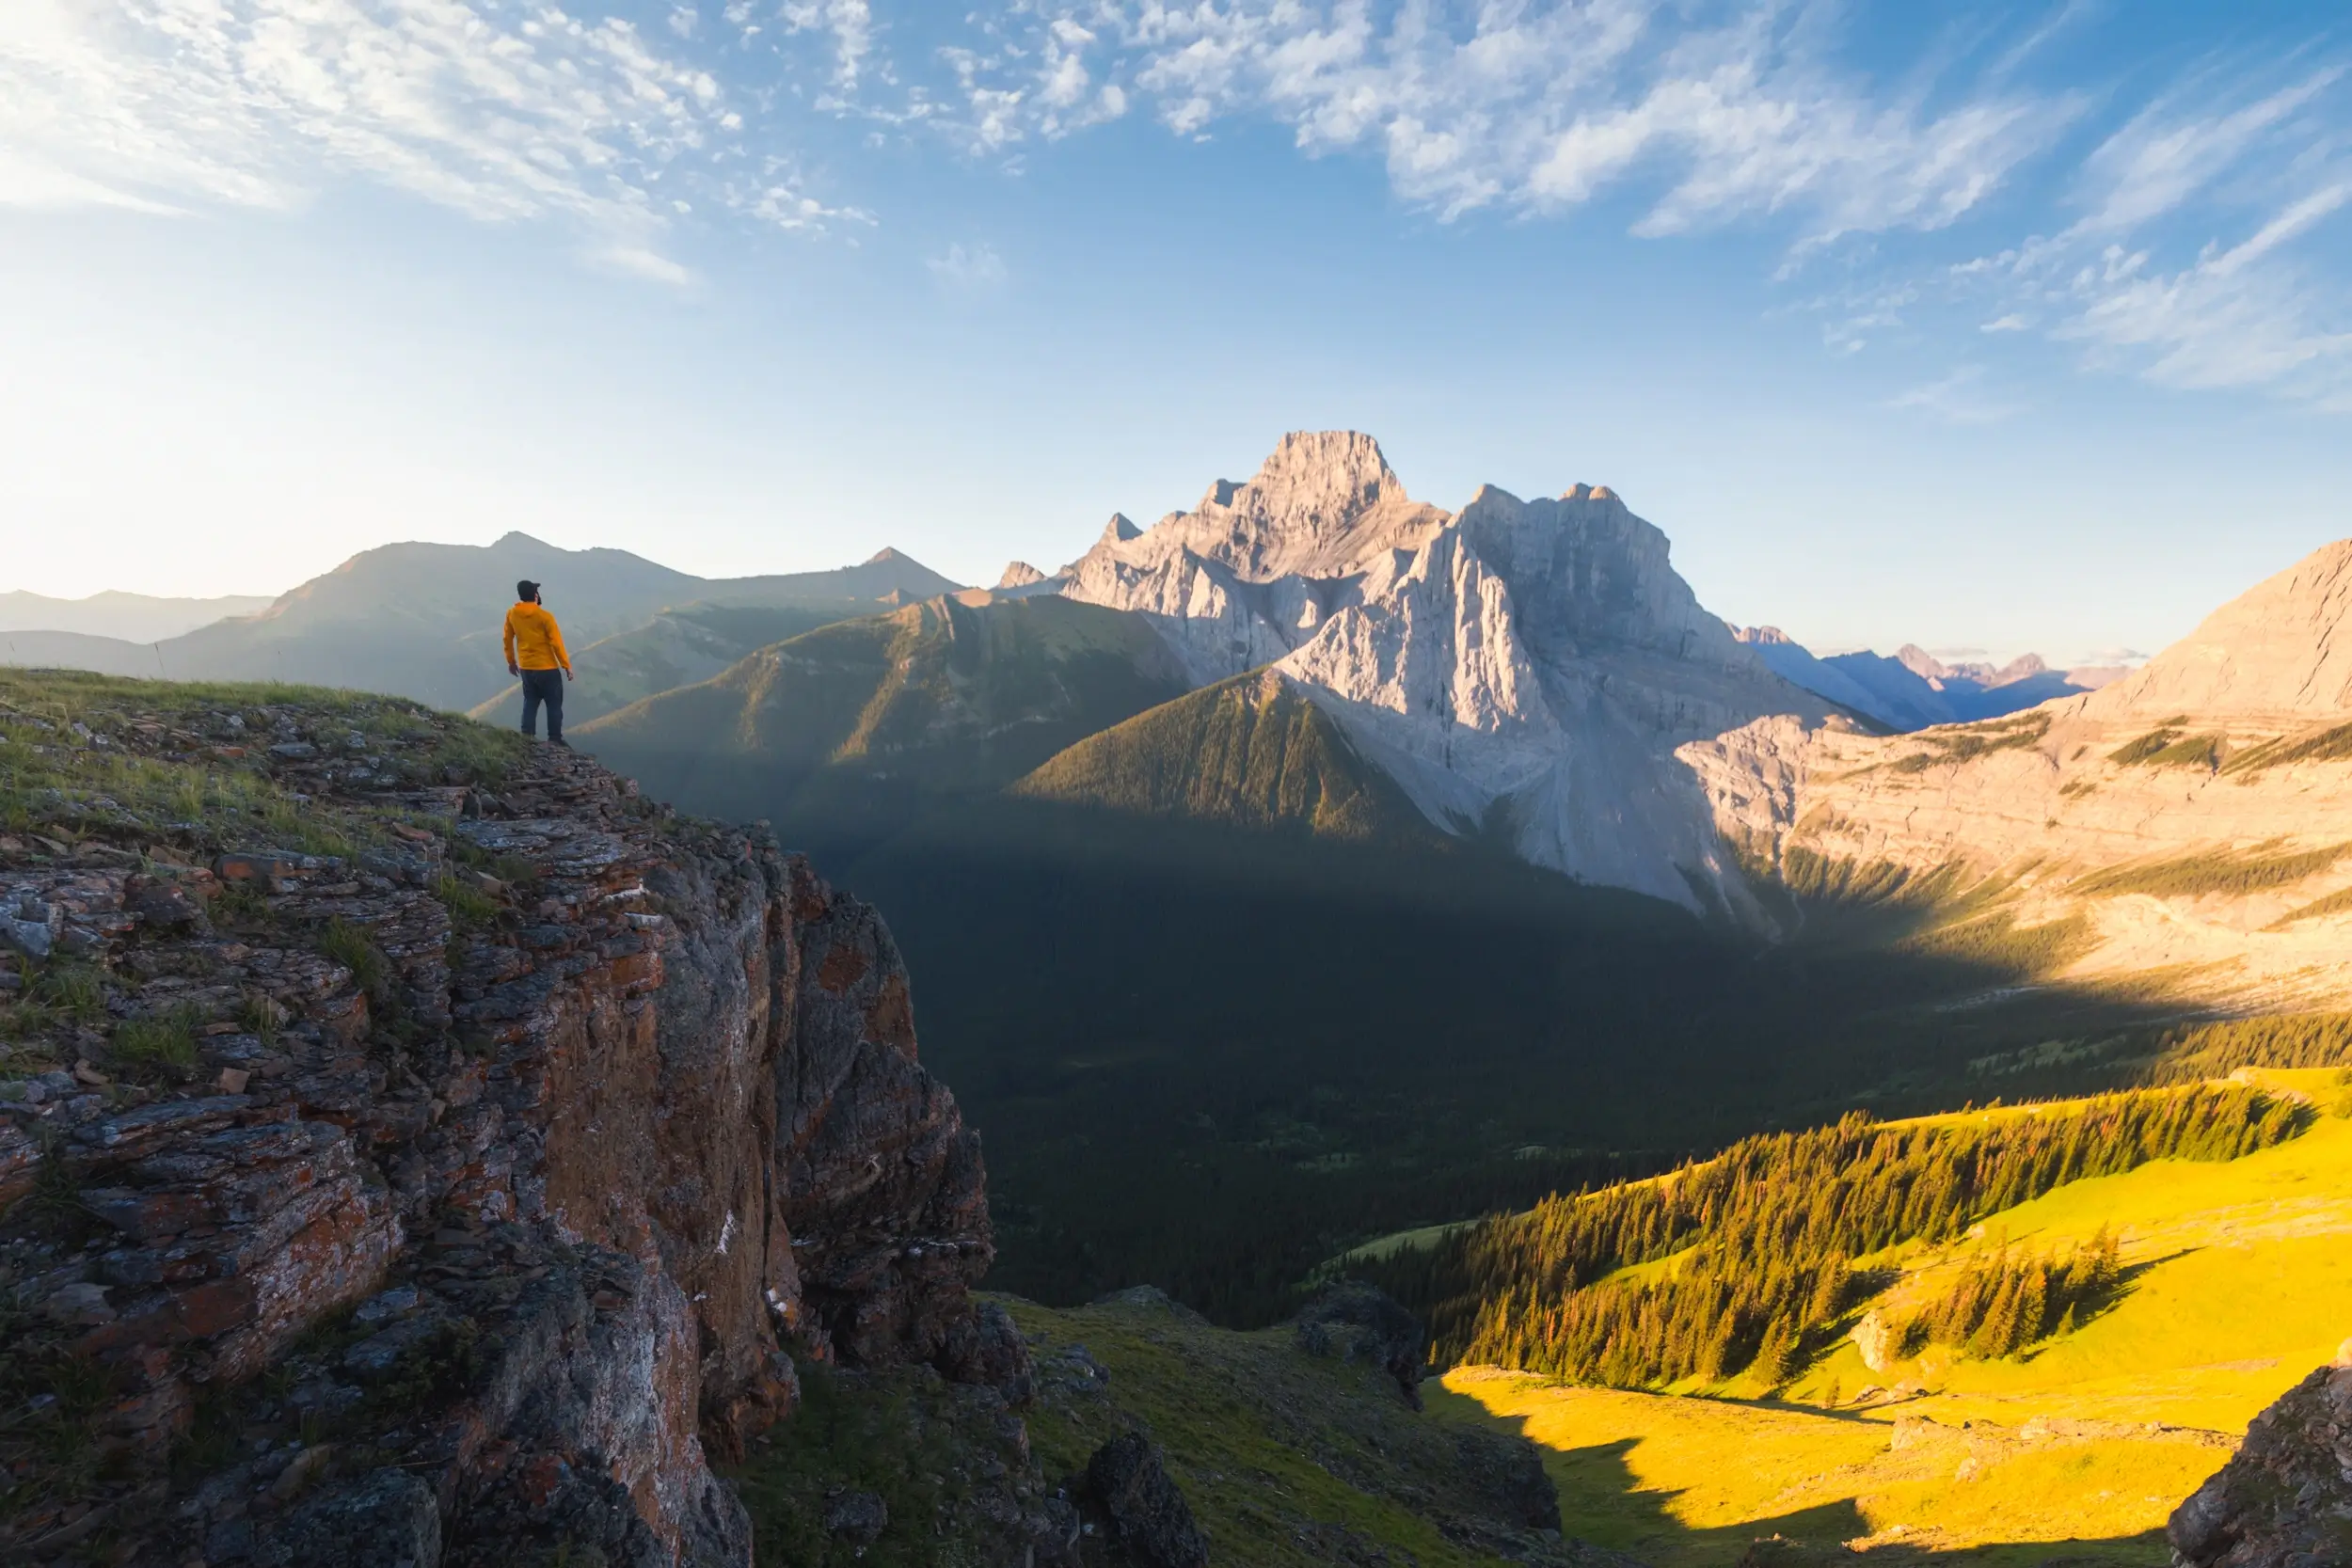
x,y
840,736
1603,1499
1211,1056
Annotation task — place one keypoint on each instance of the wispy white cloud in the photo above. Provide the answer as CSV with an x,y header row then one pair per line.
x,y
2270,310
849,24
1528,107
504,111
2178,147
970,268
2246,316
1959,397
637,261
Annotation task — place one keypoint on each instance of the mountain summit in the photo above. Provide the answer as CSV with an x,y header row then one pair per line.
x,y
2270,653
1523,669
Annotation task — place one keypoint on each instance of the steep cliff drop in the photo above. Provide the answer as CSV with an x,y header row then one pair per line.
x,y
482,1175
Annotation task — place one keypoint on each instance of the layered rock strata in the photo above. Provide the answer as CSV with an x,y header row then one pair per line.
x,y
521,1181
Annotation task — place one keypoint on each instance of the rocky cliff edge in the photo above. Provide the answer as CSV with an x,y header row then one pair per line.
x,y
444,1175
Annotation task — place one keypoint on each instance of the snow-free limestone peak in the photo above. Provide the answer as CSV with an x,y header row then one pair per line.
x,y
2274,652
1526,667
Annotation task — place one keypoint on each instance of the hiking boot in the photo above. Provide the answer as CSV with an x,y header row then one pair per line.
x,y
559,741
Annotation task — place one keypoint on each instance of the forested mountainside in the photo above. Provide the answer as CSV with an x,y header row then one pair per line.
x,y
2014,1335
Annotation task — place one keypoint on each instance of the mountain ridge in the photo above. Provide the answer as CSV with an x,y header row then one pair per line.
x,y
1531,659
421,619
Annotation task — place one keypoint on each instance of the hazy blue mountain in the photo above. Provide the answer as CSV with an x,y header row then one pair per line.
x,y
1793,661
73,650
422,620
1913,689
677,647
1905,699
131,617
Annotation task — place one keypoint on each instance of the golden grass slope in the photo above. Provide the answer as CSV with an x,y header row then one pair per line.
x,y
2241,1282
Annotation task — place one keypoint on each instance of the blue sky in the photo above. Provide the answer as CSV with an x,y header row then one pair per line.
x,y
2003,327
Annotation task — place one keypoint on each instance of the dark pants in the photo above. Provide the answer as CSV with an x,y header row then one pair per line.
x,y
543,685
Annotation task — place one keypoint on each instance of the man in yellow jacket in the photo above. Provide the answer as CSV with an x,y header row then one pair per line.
x,y
535,651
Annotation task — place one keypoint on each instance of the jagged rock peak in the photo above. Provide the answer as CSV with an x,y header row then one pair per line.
x,y
1763,636
1019,574
883,557
1920,662
1590,493
1119,530
1323,504
2272,651
1319,464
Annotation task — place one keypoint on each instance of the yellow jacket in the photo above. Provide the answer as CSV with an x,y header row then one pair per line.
x,y
533,641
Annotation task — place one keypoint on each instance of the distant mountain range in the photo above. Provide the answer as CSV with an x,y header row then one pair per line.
x,y
424,621
128,617
1913,689
1516,675
1310,651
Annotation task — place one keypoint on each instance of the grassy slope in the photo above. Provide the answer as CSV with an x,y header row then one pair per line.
x,y
1245,752
2242,1281
1285,1460
677,647
858,719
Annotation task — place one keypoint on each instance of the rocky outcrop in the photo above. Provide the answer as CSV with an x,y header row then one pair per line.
x,y
1527,666
1351,1321
520,1145
2285,1500
1147,1517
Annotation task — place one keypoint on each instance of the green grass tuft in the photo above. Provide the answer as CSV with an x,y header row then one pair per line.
x,y
352,947
2146,746
474,753
166,1040
469,908
72,990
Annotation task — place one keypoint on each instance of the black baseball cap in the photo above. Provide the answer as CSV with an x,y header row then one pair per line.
x,y
526,589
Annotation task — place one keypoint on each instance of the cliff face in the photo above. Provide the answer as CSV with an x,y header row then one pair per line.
x,y
516,1145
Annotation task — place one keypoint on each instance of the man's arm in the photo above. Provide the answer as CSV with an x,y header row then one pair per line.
x,y
563,655
512,668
